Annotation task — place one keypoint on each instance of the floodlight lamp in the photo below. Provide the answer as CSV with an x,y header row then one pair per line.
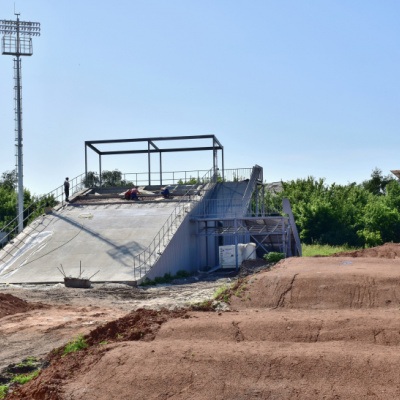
x,y
8,27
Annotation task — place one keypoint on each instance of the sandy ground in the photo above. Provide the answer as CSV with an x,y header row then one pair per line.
x,y
37,319
309,328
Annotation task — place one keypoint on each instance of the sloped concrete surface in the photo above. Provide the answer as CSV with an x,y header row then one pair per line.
x,y
103,237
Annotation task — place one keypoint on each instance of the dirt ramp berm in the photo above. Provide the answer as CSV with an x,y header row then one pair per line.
x,y
325,283
310,328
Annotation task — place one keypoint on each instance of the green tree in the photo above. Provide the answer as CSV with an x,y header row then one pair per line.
x,y
111,178
379,217
92,179
345,214
377,184
9,179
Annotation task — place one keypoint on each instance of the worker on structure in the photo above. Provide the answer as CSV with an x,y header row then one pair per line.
x,y
128,194
134,193
165,193
66,189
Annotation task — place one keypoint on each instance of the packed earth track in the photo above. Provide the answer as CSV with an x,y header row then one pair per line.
x,y
308,328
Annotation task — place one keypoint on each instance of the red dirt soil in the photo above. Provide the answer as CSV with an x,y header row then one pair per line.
x,y
10,305
387,250
310,328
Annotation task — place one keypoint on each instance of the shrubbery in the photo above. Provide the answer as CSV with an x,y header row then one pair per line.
x,y
167,278
366,214
273,257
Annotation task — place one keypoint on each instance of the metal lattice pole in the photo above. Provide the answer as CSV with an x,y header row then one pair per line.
x,y
15,42
18,139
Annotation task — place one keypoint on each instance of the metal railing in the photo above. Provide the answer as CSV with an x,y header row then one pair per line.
x,y
37,207
143,262
171,177
214,208
237,174
179,177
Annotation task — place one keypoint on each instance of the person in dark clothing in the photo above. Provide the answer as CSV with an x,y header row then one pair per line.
x,y
66,189
165,193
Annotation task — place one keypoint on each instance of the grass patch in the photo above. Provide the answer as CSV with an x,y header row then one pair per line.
x,y
77,344
207,305
167,278
310,250
220,290
224,293
29,362
3,391
25,378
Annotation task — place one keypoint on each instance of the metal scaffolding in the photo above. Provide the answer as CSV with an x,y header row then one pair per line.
x,y
152,148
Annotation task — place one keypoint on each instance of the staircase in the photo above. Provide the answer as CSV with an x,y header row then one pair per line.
x,y
144,261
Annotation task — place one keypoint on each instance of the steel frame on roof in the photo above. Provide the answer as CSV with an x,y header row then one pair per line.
x,y
152,148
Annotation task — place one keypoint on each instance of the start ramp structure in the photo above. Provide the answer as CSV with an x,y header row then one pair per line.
x,y
128,241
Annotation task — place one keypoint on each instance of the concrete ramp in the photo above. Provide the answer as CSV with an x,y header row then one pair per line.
x,y
104,237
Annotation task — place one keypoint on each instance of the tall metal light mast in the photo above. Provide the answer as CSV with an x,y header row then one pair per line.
x,y
17,42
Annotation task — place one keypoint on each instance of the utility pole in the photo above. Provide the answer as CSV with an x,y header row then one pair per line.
x,y
17,42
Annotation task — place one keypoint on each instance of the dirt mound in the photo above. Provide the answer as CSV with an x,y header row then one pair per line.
x,y
322,283
387,250
139,325
261,354
308,328
10,305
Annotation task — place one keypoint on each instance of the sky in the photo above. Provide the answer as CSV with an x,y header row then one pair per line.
x,y
300,87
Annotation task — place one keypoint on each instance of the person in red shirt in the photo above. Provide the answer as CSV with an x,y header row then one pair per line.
x,y
128,194
134,193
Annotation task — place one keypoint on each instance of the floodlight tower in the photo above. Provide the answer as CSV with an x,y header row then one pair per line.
x,y
17,42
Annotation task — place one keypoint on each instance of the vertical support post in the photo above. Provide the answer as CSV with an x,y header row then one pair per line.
x,y
148,160
257,201
100,168
19,145
236,244
197,242
263,199
205,228
86,180
214,165
283,236
289,241
223,166
160,168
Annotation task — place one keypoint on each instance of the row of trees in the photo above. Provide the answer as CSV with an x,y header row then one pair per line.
x,y
108,179
366,214
33,205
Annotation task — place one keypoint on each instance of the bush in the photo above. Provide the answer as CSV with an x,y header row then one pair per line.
x,y
167,278
3,391
77,344
273,257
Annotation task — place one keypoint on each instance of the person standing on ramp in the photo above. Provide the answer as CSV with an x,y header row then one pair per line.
x,y
66,189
